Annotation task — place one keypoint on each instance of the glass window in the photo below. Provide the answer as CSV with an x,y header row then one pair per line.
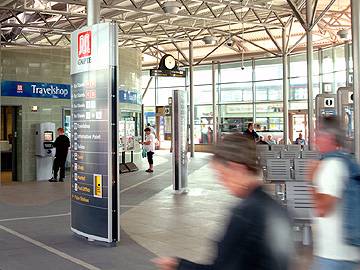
x,y
235,92
298,65
149,98
203,124
340,79
202,75
340,63
267,69
270,90
163,95
233,72
203,94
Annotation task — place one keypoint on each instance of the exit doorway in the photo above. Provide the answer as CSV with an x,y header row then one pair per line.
x,y
9,143
298,124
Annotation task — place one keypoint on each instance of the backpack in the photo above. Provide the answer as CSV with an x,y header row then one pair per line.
x,y
351,198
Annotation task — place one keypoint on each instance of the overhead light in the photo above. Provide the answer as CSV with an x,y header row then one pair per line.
x,y
209,40
171,7
229,42
343,33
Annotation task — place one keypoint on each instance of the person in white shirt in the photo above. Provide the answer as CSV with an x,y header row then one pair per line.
x,y
330,249
149,145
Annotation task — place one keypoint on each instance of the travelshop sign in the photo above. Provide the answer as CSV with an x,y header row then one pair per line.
x,y
35,89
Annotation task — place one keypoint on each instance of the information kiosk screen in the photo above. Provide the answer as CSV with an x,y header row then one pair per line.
x,y
48,136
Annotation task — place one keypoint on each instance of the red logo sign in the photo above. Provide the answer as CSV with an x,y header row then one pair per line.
x,y
84,44
19,88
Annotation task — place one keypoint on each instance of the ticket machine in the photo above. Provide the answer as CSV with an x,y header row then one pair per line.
x,y
325,105
44,137
345,97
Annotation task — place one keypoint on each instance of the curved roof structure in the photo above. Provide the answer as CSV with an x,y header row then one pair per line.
x,y
240,28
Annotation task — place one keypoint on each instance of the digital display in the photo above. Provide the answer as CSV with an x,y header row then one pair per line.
x,y
48,136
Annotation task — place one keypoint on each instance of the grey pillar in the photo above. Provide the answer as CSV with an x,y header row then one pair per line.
x,y
355,11
214,102
253,88
347,62
191,71
321,71
93,12
285,88
309,59
333,88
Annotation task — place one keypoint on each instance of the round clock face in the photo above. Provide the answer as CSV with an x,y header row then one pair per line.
x,y
170,62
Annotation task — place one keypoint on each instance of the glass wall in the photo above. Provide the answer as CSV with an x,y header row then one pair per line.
x,y
240,90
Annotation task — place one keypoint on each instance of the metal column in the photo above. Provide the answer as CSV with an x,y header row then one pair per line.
x,y
347,62
355,22
93,12
214,101
191,71
285,88
253,88
309,59
321,71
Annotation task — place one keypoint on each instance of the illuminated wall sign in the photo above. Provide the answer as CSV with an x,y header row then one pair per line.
x,y
35,89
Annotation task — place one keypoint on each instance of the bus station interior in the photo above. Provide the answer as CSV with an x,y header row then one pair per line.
x,y
276,63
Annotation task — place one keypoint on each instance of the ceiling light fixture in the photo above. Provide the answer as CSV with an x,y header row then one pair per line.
x,y
209,40
171,7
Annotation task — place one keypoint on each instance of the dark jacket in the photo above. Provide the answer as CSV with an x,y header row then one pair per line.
x,y
62,144
251,134
259,236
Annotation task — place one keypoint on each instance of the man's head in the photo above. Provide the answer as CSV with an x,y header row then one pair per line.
x,y
236,164
251,126
300,136
147,131
329,135
269,137
60,131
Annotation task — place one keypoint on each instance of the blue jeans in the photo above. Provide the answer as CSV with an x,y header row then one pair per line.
x,y
328,264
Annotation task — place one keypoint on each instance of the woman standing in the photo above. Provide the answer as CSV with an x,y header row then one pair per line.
x,y
149,146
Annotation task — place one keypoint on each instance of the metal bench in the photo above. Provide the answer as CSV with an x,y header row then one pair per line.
x,y
300,204
278,170
293,147
290,154
310,155
261,149
277,147
264,156
302,169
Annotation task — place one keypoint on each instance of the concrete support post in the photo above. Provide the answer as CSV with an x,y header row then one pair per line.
x,y
347,62
214,102
355,27
253,88
93,12
191,72
285,88
309,59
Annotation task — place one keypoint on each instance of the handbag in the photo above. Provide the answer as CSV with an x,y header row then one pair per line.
x,y
143,153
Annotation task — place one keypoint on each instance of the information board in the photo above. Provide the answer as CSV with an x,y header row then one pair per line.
x,y
94,181
179,140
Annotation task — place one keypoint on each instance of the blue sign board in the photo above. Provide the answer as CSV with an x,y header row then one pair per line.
x,y
35,89
129,97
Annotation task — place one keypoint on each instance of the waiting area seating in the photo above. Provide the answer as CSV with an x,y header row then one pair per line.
x,y
288,168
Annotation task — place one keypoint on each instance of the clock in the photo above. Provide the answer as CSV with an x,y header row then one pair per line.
x,y
169,62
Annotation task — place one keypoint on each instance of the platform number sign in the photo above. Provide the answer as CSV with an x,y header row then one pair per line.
x,y
329,102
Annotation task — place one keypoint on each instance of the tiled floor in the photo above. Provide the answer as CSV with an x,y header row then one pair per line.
x,y
154,221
